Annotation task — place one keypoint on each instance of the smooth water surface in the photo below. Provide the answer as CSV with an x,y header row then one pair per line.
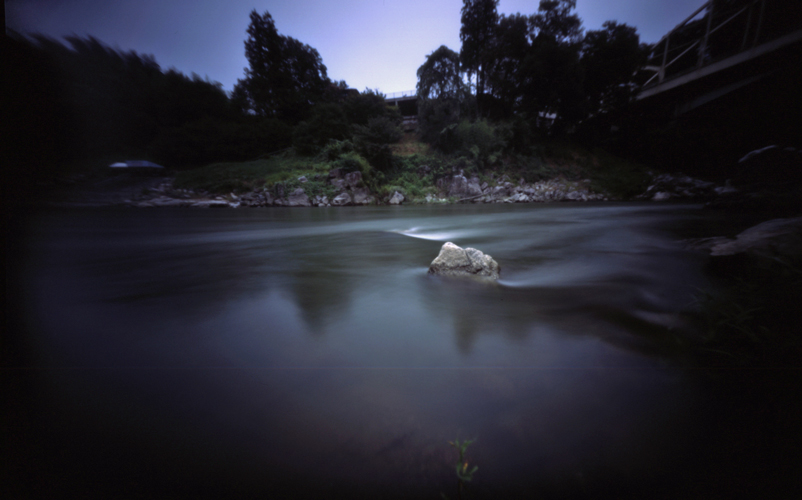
x,y
306,352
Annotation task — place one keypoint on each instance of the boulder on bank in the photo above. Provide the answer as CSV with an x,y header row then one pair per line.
x,y
774,238
298,199
396,199
341,200
362,196
353,179
456,261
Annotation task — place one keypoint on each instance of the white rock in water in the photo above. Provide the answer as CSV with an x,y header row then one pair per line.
x,y
455,261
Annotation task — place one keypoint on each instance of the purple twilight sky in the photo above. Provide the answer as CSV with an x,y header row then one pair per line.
x,y
377,44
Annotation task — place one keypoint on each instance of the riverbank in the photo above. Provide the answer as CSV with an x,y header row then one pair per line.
x,y
225,186
763,181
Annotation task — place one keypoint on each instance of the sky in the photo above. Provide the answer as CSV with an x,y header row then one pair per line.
x,y
376,44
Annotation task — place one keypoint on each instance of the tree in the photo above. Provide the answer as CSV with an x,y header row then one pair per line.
x,y
479,19
285,77
610,57
441,92
361,107
555,20
326,123
440,77
507,51
551,73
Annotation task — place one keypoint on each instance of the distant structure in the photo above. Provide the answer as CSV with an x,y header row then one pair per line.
x,y
407,103
723,46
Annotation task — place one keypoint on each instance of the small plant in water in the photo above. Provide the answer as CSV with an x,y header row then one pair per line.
x,y
464,474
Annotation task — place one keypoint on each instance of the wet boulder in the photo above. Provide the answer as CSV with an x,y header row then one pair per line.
x,y
298,198
456,261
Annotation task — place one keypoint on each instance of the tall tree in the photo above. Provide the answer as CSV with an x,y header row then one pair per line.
x,y
610,57
507,51
479,20
285,77
554,19
440,77
441,92
551,73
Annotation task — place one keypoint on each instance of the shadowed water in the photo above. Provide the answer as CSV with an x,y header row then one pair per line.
x,y
304,352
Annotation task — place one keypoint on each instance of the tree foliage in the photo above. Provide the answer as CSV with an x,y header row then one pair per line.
x,y
479,22
285,77
440,77
538,67
507,51
610,58
84,103
441,92
554,19
361,107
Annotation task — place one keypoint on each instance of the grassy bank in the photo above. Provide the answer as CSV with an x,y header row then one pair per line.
x,y
414,167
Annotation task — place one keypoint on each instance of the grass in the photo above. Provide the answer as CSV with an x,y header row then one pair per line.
x,y
247,176
416,167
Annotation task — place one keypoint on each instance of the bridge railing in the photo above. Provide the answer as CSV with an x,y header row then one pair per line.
x,y
719,29
403,93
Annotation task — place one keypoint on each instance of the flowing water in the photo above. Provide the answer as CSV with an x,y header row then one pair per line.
x,y
307,353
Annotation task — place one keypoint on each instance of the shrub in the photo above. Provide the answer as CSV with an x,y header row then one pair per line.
x,y
327,122
334,149
477,140
352,162
361,108
373,141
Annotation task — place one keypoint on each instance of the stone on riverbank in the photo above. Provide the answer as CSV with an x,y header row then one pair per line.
x,y
773,238
341,200
456,261
298,198
396,199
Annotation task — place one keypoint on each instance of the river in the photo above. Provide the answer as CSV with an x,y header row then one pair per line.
x,y
306,353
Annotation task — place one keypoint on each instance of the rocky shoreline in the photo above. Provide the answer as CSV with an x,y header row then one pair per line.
x,y
130,190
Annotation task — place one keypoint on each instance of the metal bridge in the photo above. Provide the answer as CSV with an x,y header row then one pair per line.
x,y
722,46
718,36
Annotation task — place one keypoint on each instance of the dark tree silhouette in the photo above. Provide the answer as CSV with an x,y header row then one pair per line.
x,y
441,92
507,51
285,78
479,19
555,20
610,58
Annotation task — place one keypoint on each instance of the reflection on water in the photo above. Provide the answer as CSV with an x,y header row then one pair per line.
x,y
205,353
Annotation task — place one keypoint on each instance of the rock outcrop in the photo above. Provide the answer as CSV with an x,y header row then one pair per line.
x,y
362,196
778,237
396,198
341,200
667,186
455,261
298,199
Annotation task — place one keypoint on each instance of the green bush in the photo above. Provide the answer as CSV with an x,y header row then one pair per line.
x,y
352,162
434,115
373,141
363,107
476,140
334,149
328,122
